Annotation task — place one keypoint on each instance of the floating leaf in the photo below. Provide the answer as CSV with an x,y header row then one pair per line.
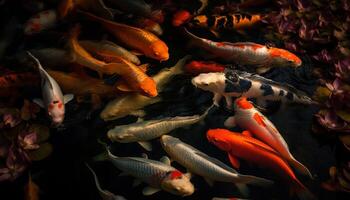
x,y
344,115
322,94
43,152
43,132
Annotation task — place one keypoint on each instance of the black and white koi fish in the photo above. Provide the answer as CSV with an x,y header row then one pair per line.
x,y
234,83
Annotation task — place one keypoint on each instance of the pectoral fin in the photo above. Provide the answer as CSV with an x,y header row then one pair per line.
x,y
39,102
146,145
149,191
234,161
67,98
165,160
136,182
230,122
262,70
123,86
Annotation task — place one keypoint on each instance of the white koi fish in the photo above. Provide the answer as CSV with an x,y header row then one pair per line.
x,y
249,118
53,100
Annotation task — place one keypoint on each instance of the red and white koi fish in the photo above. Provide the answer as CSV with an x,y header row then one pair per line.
x,y
41,21
196,67
247,53
53,100
248,117
254,151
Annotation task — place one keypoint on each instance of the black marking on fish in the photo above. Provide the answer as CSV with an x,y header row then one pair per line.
x,y
290,96
267,89
232,76
281,93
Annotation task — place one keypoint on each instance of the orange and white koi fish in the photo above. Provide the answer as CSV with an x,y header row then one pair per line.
x,y
41,21
247,53
108,51
252,150
196,67
53,100
135,38
249,118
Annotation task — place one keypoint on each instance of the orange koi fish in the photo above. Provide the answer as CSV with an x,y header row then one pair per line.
x,y
247,148
135,38
246,53
181,17
248,117
41,21
197,67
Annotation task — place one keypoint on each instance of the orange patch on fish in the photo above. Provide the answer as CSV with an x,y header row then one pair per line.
x,y
259,119
60,105
244,103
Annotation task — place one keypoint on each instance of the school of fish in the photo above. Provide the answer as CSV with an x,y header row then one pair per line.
x,y
123,73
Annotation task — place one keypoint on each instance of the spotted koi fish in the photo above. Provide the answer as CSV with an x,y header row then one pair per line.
x,y
234,83
158,175
41,21
225,22
246,53
249,118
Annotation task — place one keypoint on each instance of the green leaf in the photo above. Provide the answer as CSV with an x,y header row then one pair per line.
x,y
43,152
322,94
43,132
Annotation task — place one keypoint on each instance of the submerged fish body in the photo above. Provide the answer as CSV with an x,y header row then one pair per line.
x,y
254,151
108,50
135,38
229,22
200,163
159,175
234,83
41,21
249,118
131,103
53,99
247,53
151,129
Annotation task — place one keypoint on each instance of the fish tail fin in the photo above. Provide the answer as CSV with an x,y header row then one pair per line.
x,y
37,64
247,179
301,191
105,155
300,167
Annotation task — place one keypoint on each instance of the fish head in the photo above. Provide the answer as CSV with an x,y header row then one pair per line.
x,y
177,183
149,87
199,21
285,58
242,104
219,137
213,82
56,112
168,141
159,51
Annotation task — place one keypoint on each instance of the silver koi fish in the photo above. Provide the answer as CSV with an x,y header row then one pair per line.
x,y
209,168
249,118
158,175
247,53
234,83
53,100
144,131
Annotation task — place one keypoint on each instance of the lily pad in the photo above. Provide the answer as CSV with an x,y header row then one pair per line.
x,y
42,131
43,152
344,115
322,94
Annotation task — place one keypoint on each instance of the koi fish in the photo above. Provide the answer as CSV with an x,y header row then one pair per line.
x,y
149,25
249,118
196,67
78,85
104,194
208,167
109,50
225,22
135,38
234,83
143,131
181,17
135,79
53,99
247,53
42,21
134,103
252,150
158,175
140,8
